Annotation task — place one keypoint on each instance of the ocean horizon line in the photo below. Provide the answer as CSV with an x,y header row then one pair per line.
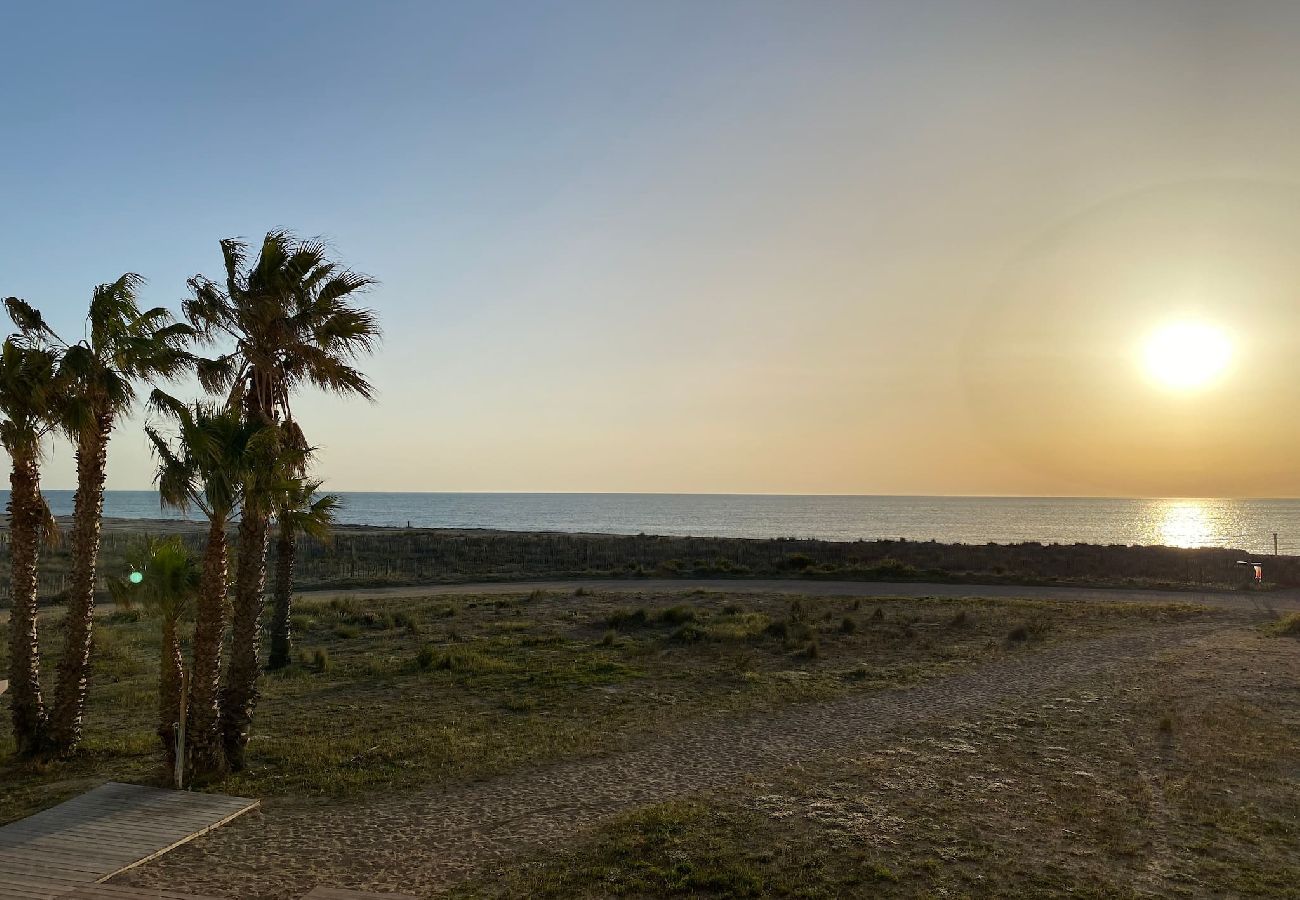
x,y
882,496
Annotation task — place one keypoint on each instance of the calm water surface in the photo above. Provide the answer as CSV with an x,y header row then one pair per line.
x,y
1244,524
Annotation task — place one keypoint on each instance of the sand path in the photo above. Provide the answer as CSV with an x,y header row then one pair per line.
x,y
419,842
1268,602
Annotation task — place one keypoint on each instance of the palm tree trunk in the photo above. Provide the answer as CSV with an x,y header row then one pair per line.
x,y
74,669
202,733
239,695
281,639
170,680
26,519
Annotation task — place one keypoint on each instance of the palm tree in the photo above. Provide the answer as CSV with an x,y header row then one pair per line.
x,y
28,401
291,323
299,511
205,468
170,581
122,346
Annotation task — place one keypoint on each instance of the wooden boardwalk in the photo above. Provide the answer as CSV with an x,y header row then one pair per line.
x,y
66,851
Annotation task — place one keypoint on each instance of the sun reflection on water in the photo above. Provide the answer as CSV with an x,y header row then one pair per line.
x,y
1186,523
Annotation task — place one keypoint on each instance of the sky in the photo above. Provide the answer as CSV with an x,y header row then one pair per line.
x,y
756,247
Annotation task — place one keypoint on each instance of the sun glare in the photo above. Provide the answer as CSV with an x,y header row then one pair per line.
x,y
1187,355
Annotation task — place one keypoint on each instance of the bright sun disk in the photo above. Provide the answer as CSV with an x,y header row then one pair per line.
x,y
1187,355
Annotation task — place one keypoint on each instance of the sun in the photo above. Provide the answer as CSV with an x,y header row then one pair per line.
x,y
1187,355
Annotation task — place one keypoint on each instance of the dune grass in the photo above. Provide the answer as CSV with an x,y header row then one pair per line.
x,y
1173,778
387,695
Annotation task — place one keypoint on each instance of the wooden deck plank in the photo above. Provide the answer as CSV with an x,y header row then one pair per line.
x,y
63,853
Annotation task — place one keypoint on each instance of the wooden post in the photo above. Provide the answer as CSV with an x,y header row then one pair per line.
x,y
1275,543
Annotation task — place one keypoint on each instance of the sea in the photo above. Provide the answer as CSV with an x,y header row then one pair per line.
x,y
1181,522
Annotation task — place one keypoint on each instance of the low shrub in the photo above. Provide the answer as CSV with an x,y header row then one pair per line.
x,y
465,661
690,633
797,561
1288,625
678,615
742,627
848,625
892,568
629,619
407,623
320,660
425,658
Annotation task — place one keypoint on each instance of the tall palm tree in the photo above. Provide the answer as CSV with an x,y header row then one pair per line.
x,y
169,584
291,322
28,402
205,467
299,511
122,346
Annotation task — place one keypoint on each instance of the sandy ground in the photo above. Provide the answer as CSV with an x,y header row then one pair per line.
x,y
422,842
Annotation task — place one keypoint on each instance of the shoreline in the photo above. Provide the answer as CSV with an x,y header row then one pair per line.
x,y
171,526
372,556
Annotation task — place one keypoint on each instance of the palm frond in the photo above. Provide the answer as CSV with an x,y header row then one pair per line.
x,y
27,318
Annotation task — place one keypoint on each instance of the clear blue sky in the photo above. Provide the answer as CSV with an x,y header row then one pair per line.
x,y
696,246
